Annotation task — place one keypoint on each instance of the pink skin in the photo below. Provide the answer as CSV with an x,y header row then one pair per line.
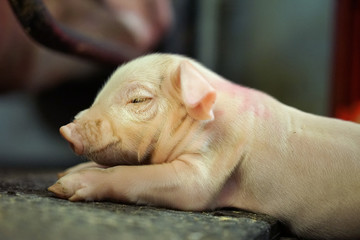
x,y
251,99
199,106
166,131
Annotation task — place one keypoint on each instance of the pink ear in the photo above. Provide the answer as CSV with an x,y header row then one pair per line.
x,y
198,95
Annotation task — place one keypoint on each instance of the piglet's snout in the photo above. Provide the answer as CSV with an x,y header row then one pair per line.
x,y
70,133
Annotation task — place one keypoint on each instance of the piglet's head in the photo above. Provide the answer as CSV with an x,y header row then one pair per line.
x,y
135,115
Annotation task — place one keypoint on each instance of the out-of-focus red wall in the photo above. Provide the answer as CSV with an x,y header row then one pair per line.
x,y
346,70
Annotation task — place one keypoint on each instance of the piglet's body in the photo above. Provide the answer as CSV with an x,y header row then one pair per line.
x,y
166,131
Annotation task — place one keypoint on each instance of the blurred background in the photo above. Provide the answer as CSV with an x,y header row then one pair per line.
x,y
282,47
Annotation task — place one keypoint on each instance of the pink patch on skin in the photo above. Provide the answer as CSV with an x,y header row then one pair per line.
x,y
233,89
251,99
219,113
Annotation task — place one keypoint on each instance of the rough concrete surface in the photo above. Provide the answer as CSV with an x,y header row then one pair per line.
x,y
29,211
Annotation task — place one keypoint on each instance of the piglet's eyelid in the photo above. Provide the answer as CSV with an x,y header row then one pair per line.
x,y
138,92
140,99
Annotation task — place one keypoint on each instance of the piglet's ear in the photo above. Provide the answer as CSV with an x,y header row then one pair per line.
x,y
198,95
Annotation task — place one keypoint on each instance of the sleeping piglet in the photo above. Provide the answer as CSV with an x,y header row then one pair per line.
x,y
166,131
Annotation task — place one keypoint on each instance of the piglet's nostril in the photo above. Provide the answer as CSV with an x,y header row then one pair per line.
x,y
70,133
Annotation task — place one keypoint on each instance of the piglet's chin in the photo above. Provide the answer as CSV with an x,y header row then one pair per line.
x,y
73,137
111,155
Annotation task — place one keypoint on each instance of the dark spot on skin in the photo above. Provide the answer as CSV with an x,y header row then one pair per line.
x,y
98,123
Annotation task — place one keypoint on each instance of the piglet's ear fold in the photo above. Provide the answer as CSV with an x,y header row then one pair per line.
x,y
197,94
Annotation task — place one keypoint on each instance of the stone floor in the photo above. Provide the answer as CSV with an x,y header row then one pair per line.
x,y
29,211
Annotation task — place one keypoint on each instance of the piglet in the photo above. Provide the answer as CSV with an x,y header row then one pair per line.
x,y
166,131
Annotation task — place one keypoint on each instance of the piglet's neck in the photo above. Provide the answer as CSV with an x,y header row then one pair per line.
x,y
223,85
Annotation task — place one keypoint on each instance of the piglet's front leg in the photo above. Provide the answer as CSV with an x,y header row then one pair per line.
x,y
85,184
79,167
177,185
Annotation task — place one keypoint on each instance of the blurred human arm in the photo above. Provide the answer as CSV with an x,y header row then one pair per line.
x,y
26,65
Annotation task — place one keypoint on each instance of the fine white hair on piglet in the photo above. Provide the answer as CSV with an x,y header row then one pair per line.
x,y
166,131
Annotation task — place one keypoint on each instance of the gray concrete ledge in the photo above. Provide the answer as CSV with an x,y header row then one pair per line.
x,y
29,211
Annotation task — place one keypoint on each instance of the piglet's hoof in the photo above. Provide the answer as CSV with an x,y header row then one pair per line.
x,y
58,190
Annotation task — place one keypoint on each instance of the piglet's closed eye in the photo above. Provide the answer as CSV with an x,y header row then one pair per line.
x,y
198,95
